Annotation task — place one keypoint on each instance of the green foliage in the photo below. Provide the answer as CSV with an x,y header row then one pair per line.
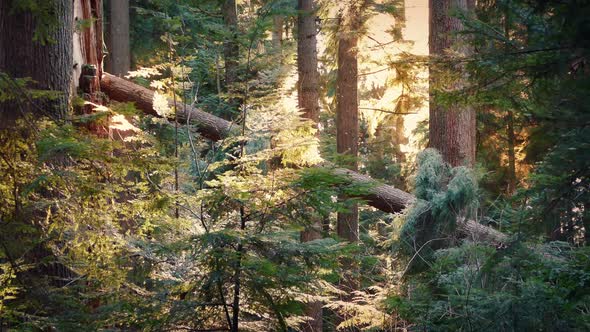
x,y
155,231
9,87
381,153
63,200
518,289
528,66
443,195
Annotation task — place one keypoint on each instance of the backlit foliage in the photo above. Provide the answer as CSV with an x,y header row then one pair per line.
x,y
121,221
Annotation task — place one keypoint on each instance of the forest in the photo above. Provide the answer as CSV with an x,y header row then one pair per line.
x,y
294,165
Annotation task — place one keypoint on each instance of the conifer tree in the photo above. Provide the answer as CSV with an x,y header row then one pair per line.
x,y
347,119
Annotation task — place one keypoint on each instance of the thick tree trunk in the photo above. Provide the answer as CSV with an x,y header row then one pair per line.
x,y
452,128
48,62
118,61
308,98
381,196
26,52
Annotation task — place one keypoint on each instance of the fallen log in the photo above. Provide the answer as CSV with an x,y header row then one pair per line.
x,y
122,90
380,196
387,198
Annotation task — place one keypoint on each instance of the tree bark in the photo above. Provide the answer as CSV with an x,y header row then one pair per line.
x,y
119,58
308,99
307,62
451,128
48,62
347,135
88,54
122,90
308,82
347,113
381,196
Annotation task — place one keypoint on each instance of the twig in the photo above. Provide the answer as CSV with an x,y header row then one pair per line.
x,y
418,253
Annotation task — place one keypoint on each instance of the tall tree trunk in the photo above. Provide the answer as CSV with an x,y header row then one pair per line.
x,y
347,113
308,98
452,128
231,48
48,62
347,126
119,60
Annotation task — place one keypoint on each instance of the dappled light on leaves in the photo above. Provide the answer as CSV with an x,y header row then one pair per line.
x,y
271,165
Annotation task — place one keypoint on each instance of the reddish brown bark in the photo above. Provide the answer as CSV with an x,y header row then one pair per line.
x,y
347,113
451,128
92,56
92,35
